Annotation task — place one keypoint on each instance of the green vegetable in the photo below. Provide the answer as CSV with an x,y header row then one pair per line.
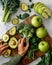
x,y
30,0
34,41
9,7
25,30
30,7
23,16
46,59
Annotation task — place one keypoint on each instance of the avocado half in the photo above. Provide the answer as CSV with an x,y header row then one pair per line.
x,y
8,53
13,43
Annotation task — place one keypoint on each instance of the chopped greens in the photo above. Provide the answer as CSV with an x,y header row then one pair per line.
x,y
30,7
23,16
34,41
46,59
9,7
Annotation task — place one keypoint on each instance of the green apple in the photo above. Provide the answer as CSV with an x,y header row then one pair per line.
x,y
41,9
36,21
47,10
41,32
36,6
45,15
43,46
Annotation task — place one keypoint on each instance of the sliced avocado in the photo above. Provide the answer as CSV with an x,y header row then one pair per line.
x,y
12,31
8,53
13,43
5,38
24,6
47,10
15,21
44,14
41,8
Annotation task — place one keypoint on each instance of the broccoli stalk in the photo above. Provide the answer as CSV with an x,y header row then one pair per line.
x,y
7,16
9,7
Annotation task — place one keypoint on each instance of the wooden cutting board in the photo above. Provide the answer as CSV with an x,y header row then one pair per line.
x,y
25,60
37,54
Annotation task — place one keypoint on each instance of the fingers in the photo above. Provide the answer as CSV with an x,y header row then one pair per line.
x,y
27,46
19,41
3,48
22,41
3,52
2,45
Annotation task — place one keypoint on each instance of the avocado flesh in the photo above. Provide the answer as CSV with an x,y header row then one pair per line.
x,y
12,31
5,38
13,43
7,54
24,6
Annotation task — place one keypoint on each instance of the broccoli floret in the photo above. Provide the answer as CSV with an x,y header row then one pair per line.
x,y
26,31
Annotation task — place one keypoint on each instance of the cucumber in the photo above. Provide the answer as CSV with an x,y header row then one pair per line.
x,y
15,21
12,31
5,38
24,6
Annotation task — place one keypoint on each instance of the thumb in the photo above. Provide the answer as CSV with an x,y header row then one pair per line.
x,y
27,46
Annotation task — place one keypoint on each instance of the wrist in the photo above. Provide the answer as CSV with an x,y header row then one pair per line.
x,y
21,54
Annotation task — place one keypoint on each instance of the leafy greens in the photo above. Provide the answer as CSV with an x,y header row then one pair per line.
x,y
26,30
46,59
9,7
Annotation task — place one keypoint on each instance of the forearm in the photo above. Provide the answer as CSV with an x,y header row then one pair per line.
x,y
14,60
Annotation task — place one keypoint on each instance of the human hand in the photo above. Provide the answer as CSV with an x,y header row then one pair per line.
x,y
21,48
3,48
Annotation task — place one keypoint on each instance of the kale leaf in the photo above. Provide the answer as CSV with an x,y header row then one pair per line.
x,y
46,59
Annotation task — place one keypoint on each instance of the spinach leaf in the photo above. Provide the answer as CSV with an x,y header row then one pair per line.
x,y
23,16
